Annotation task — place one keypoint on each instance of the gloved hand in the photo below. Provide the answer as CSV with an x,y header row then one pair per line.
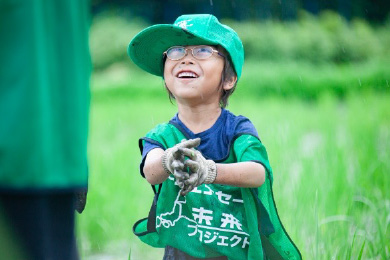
x,y
173,159
201,170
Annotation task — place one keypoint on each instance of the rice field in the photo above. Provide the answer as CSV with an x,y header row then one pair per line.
x,y
330,157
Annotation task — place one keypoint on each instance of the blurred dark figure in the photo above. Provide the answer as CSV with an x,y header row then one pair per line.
x,y
44,107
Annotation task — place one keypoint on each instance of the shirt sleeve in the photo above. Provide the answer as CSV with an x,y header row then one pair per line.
x,y
146,147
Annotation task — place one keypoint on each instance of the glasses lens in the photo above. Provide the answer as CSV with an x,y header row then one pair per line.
x,y
202,52
176,53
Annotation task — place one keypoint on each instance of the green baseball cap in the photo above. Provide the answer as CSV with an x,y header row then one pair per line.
x,y
147,47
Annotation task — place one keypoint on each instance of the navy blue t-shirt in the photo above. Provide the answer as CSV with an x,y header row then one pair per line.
x,y
215,141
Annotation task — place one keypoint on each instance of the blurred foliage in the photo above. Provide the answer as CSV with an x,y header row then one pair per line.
x,y
261,79
109,36
156,11
327,38
323,39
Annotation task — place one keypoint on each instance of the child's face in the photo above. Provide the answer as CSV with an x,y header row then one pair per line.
x,y
193,80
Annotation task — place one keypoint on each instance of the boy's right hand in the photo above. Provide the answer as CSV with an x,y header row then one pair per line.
x,y
173,158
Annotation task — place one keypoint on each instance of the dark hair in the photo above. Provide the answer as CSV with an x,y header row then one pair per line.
x,y
228,73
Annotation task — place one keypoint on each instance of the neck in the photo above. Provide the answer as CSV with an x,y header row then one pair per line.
x,y
200,118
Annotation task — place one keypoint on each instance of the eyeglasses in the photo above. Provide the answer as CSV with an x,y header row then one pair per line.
x,y
199,52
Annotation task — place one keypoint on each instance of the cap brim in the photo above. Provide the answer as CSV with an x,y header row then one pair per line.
x,y
147,47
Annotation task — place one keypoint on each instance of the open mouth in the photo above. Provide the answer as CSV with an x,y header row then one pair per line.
x,y
187,75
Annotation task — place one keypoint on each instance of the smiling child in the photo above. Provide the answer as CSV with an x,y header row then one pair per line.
x,y
207,166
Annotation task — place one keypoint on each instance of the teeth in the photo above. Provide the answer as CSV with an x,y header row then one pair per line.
x,y
187,75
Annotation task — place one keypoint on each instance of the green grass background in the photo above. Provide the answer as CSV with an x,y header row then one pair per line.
x,y
330,159
325,124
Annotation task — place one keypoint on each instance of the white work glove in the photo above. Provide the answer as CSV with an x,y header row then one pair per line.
x,y
201,170
173,159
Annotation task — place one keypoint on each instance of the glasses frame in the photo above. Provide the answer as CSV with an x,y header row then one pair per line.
x,y
165,53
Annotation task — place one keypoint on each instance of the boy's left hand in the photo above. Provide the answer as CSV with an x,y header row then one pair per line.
x,y
202,170
173,159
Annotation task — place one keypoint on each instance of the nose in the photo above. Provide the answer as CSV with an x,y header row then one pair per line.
x,y
188,57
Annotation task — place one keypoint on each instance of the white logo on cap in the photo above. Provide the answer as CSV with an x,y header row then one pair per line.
x,y
184,24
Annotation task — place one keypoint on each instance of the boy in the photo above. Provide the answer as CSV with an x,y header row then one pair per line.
x,y
214,198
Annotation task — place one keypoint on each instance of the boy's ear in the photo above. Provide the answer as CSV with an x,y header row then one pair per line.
x,y
230,83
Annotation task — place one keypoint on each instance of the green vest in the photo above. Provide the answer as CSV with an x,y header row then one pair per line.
x,y
215,220
44,94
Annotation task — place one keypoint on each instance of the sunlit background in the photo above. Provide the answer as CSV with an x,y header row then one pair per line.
x,y
316,84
